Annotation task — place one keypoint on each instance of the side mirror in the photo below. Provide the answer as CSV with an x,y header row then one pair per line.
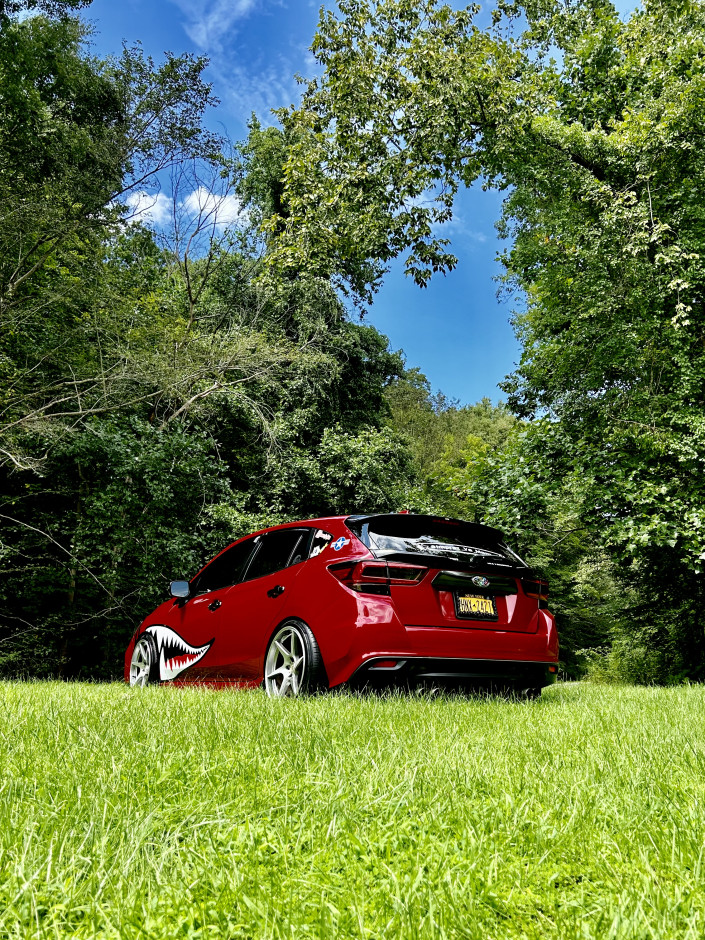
x,y
180,589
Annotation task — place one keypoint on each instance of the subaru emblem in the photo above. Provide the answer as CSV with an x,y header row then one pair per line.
x,y
480,581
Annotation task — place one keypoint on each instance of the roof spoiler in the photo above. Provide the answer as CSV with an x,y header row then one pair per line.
x,y
356,522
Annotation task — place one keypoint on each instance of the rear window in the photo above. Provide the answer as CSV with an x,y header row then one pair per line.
x,y
428,535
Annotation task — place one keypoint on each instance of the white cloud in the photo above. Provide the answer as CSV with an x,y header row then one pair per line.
x,y
260,89
148,208
457,227
265,81
222,209
208,21
157,209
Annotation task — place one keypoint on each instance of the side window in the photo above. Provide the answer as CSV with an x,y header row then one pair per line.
x,y
224,570
301,551
318,542
279,550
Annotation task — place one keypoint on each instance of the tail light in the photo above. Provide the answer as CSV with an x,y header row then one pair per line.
x,y
538,589
376,577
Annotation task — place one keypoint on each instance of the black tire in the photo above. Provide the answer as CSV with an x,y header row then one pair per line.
x,y
144,664
293,664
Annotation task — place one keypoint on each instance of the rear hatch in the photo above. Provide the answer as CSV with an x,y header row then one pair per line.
x,y
471,579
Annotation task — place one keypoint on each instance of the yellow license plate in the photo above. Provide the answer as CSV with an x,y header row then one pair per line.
x,y
475,607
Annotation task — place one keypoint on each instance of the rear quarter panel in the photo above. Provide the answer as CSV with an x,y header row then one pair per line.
x,y
332,612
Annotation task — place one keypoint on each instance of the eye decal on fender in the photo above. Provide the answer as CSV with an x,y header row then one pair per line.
x,y
175,654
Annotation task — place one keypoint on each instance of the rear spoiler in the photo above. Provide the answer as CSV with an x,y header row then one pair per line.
x,y
473,529
450,564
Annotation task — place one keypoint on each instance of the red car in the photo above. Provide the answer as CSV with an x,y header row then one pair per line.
x,y
356,599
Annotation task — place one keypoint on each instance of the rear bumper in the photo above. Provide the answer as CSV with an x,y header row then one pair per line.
x,y
379,633
482,672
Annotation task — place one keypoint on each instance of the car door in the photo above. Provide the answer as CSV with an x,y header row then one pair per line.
x,y
257,603
204,619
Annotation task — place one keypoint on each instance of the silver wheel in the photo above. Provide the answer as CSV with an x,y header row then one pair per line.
x,y
285,665
142,662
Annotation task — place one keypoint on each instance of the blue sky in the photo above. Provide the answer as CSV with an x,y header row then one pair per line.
x,y
455,330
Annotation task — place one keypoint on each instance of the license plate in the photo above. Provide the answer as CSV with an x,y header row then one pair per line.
x,y
475,607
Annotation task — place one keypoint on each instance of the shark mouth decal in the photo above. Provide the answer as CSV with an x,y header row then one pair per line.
x,y
175,654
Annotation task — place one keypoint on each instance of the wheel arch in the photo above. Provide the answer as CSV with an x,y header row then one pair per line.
x,y
275,629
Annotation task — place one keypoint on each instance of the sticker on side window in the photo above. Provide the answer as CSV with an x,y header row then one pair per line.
x,y
319,542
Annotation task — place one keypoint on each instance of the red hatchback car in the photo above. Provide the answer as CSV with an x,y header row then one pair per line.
x,y
357,599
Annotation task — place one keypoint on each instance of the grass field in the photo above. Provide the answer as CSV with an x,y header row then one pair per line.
x,y
189,813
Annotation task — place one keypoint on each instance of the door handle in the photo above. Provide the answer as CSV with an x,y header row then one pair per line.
x,y
275,591
214,605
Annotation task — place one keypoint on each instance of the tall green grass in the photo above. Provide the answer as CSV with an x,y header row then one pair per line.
x,y
190,813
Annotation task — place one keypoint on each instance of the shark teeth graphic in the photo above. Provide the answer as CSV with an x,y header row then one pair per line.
x,y
175,654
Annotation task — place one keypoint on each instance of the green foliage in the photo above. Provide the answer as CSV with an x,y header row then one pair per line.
x,y
62,114
76,135
159,394
188,813
589,123
10,8
543,518
442,432
370,471
214,429
118,513
381,138
479,463
261,172
230,344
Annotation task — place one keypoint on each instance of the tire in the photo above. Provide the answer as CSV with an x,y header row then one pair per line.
x,y
530,694
293,664
144,664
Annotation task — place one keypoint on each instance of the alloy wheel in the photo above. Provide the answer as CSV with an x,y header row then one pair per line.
x,y
141,662
285,666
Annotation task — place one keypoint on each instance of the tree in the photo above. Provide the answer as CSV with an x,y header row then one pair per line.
x,y
480,463
76,137
590,124
514,488
121,507
162,393
442,432
10,8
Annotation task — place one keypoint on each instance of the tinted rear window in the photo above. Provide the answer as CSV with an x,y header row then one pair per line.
x,y
424,535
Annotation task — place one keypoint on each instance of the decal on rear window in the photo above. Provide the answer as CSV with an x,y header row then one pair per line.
x,y
410,534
